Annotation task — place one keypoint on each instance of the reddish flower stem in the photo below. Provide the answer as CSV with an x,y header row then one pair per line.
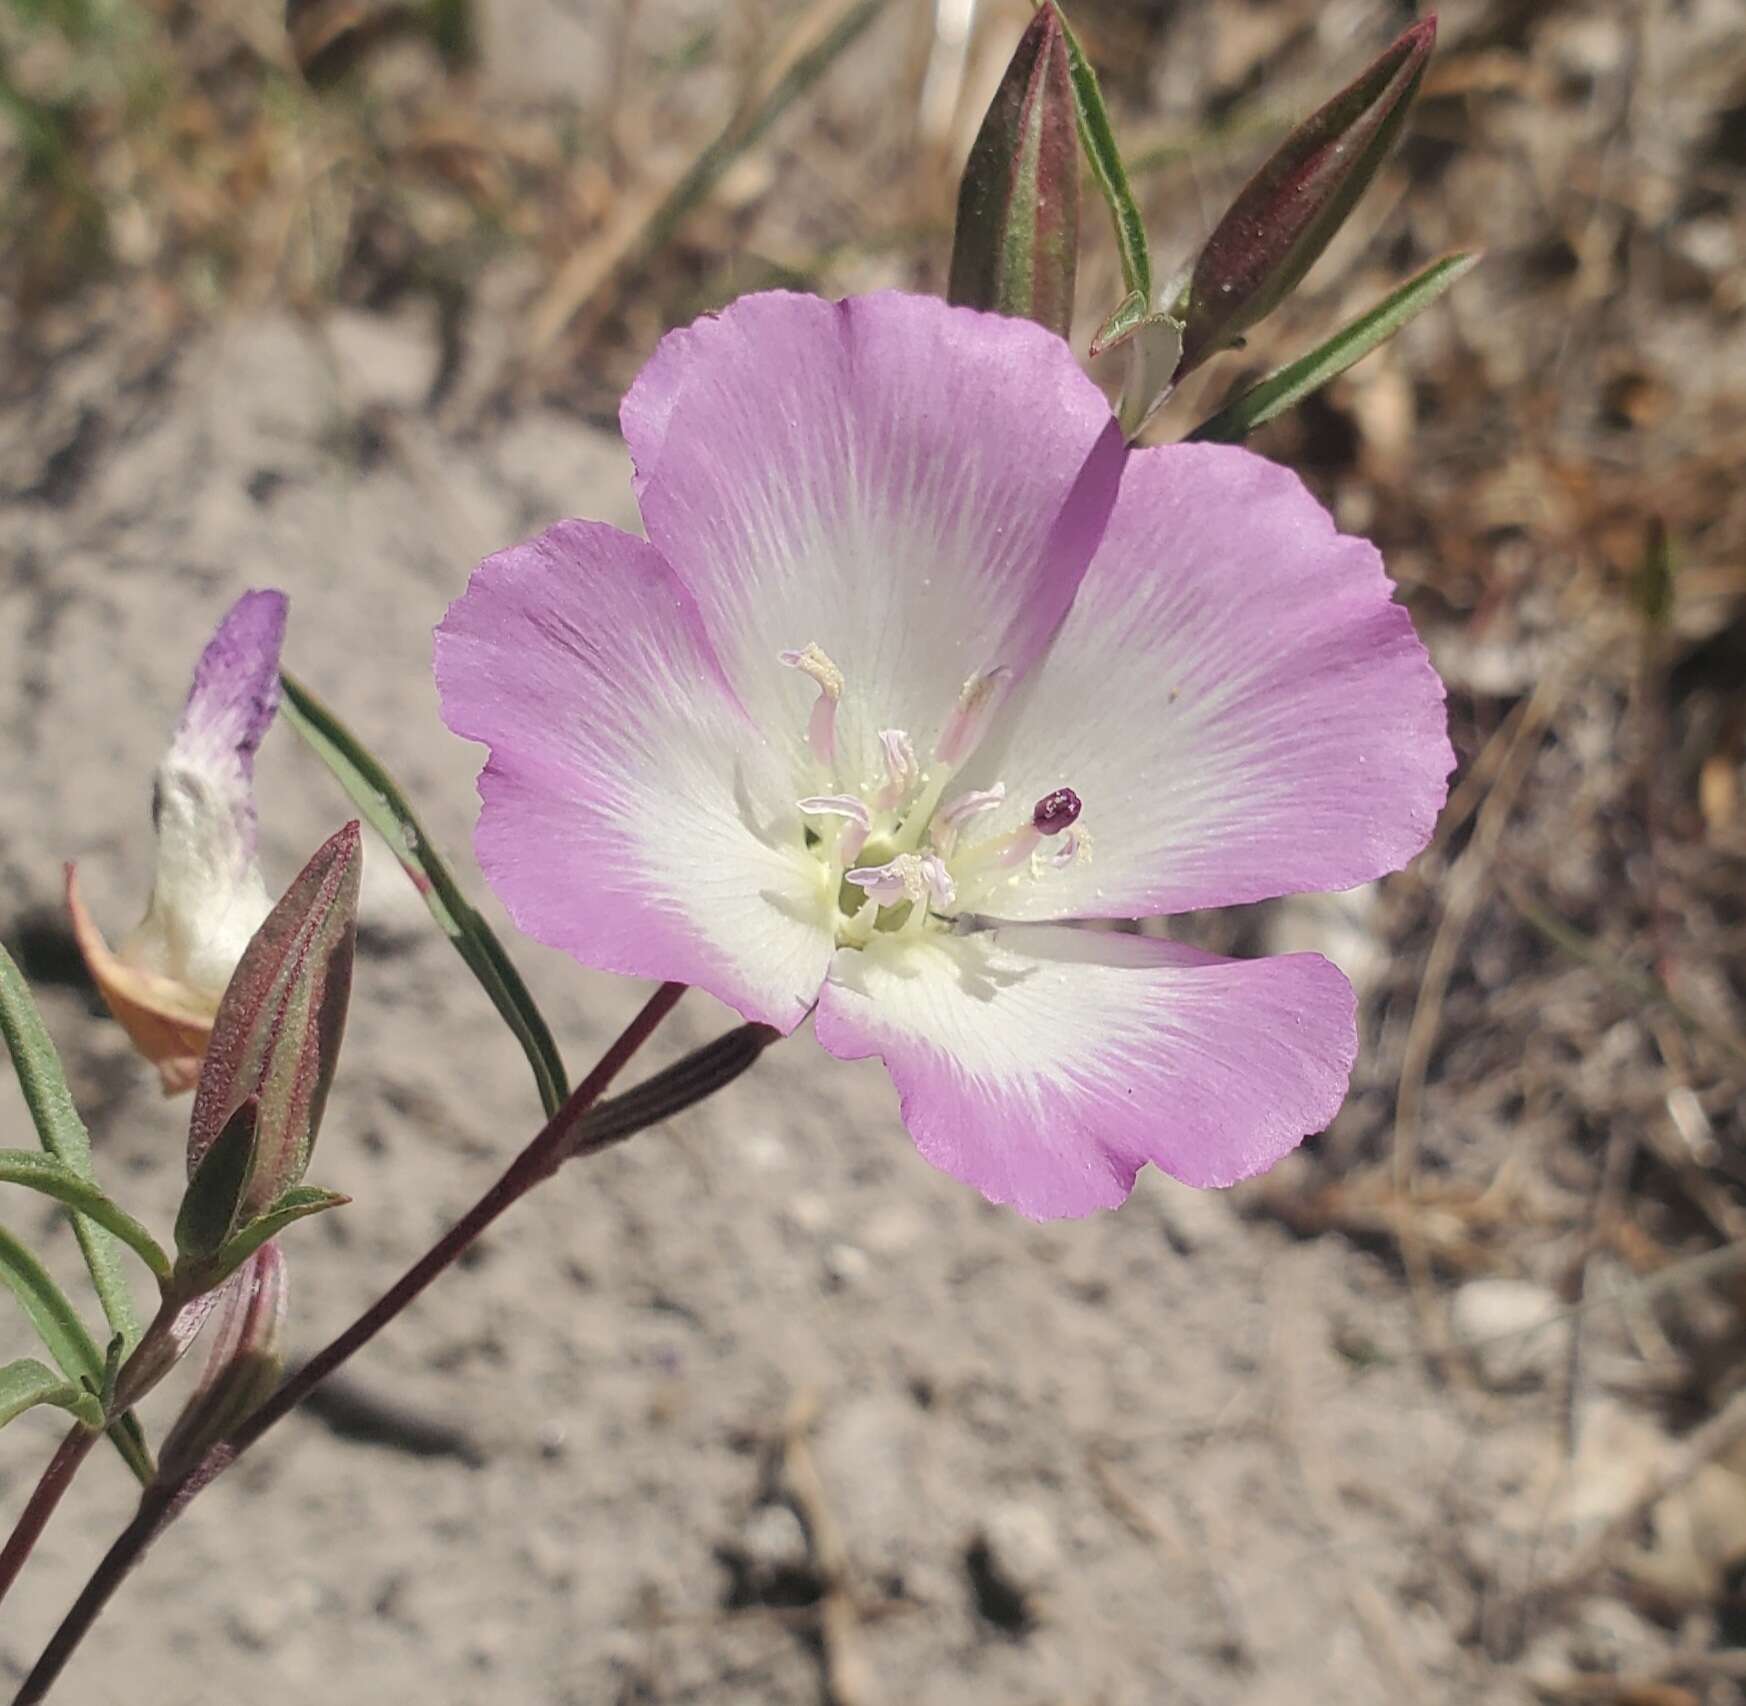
x,y
561,1139
56,1478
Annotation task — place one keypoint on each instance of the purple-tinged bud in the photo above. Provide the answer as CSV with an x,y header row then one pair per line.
x,y
1015,249
1287,214
275,1043
1056,812
164,984
243,1365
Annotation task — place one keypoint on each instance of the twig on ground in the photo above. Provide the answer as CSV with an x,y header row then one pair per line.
x,y
1719,1435
1461,890
848,1674
648,219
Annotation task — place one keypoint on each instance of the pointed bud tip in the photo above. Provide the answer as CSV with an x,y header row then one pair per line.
x,y
277,1031
1289,211
1016,236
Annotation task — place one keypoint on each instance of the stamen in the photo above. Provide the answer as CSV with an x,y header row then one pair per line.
x,y
1019,846
821,730
941,889
1066,850
954,814
951,818
891,884
855,831
901,769
836,805
1053,814
969,720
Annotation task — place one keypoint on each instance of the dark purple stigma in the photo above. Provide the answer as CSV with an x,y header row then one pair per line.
x,y
1056,812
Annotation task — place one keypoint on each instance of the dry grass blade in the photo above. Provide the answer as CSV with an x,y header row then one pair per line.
x,y
651,216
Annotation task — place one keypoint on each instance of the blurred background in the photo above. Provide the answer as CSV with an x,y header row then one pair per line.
x,y
1449,1408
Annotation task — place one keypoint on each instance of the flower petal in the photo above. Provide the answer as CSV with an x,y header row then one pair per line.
x,y
627,802
169,1023
1235,697
232,701
912,487
207,895
1044,1065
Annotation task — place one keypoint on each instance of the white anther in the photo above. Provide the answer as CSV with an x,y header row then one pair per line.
x,y
855,831
813,660
954,814
837,805
904,878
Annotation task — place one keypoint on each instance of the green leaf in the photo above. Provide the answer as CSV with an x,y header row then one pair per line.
x,y
1656,576
1124,317
213,1200
26,1383
51,1312
386,810
1290,385
62,1134
297,1204
1097,138
58,1325
54,1179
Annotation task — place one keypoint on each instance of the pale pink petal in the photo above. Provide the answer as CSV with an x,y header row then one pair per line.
x,y
1235,697
913,488
208,898
231,703
631,816
1045,1065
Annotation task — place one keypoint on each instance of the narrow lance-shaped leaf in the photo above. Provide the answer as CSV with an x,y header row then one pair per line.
x,y
64,1335
62,1134
1097,137
385,808
52,1178
275,1044
26,1383
1015,249
51,1313
1286,214
297,1204
1288,387
212,1205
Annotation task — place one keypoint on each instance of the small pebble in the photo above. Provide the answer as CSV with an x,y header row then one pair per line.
x,y
1508,1326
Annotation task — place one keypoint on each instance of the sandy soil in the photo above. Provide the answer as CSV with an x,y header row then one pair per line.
x,y
1167,1454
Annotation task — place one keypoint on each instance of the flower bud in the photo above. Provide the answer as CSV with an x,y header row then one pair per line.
x,y
207,897
1287,214
1016,245
275,1044
243,1365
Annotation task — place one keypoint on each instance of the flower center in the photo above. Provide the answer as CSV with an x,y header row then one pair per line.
x,y
896,848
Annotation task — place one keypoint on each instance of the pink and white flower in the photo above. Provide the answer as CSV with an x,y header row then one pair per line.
x,y
208,897
918,671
